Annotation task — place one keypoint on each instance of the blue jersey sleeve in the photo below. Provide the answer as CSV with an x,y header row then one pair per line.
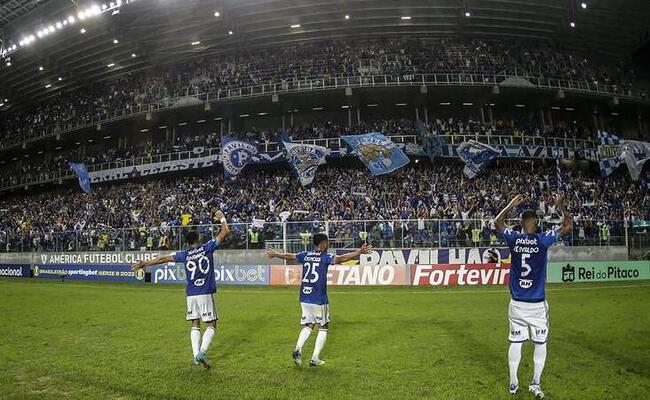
x,y
211,245
300,257
549,237
180,256
330,258
509,236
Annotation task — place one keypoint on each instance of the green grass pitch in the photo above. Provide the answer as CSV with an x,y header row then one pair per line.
x,y
120,341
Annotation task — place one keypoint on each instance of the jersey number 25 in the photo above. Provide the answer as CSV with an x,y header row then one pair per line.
x,y
310,275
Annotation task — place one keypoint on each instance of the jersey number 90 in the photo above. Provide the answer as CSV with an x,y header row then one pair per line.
x,y
202,264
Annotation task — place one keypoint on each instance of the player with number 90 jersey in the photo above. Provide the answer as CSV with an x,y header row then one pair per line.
x,y
528,263
199,268
313,287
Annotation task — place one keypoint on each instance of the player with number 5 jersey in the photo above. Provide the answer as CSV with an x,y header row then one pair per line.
x,y
313,291
528,309
198,260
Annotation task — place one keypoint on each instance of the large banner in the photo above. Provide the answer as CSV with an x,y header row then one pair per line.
x,y
475,255
377,152
106,272
460,274
96,257
356,275
224,274
597,271
137,171
15,270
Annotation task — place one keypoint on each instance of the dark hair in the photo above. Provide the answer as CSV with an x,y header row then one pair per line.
x,y
319,238
192,237
527,214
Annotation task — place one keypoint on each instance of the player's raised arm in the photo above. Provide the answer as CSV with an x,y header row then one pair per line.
x,y
284,256
499,222
364,249
156,261
225,229
567,219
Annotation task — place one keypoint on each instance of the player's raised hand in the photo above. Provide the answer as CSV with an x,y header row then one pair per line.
x,y
516,201
218,215
271,253
365,248
137,266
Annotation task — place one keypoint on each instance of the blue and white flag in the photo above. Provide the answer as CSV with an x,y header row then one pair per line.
x,y
476,156
605,138
377,152
432,143
305,159
614,152
82,173
284,137
236,154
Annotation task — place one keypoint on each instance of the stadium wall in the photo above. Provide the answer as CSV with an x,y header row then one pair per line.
x,y
417,267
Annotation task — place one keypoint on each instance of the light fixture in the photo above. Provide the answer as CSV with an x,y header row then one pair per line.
x,y
58,25
467,14
317,108
81,15
200,121
400,104
162,127
347,16
520,105
40,68
468,104
195,43
405,18
49,85
583,5
217,14
107,137
133,55
182,123
445,104
262,113
60,79
230,32
50,28
372,105
294,26
115,41
144,130
572,24
244,115
83,30
111,65
71,19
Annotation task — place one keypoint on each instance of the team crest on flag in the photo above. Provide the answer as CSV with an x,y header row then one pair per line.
x,y
476,156
614,151
377,152
305,159
236,154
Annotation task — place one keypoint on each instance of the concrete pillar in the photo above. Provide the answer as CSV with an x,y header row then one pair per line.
x,y
491,115
550,118
426,115
482,116
221,127
283,125
291,119
349,117
358,116
417,113
542,119
173,134
229,125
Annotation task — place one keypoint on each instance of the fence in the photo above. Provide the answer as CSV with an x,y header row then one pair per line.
x,y
315,84
296,236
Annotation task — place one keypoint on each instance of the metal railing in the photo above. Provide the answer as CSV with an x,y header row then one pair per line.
x,y
317,84
296,236
38,178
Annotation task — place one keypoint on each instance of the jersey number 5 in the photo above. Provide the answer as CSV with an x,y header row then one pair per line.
x,y
525,268
310,275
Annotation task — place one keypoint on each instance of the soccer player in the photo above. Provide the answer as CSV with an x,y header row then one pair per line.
x,y
313,291
528,308
201,286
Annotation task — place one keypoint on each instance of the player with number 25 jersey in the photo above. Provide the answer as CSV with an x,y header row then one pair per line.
x,y
313,291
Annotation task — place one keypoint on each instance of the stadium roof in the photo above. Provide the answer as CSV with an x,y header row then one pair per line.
x,y
146,33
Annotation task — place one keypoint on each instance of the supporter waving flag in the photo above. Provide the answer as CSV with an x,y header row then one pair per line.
x,y
305,159
614,151
377,152
432,143
476,156
82,173
236,154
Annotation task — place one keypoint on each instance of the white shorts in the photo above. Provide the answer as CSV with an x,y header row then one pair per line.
x,y
202,307
315,314
525,317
